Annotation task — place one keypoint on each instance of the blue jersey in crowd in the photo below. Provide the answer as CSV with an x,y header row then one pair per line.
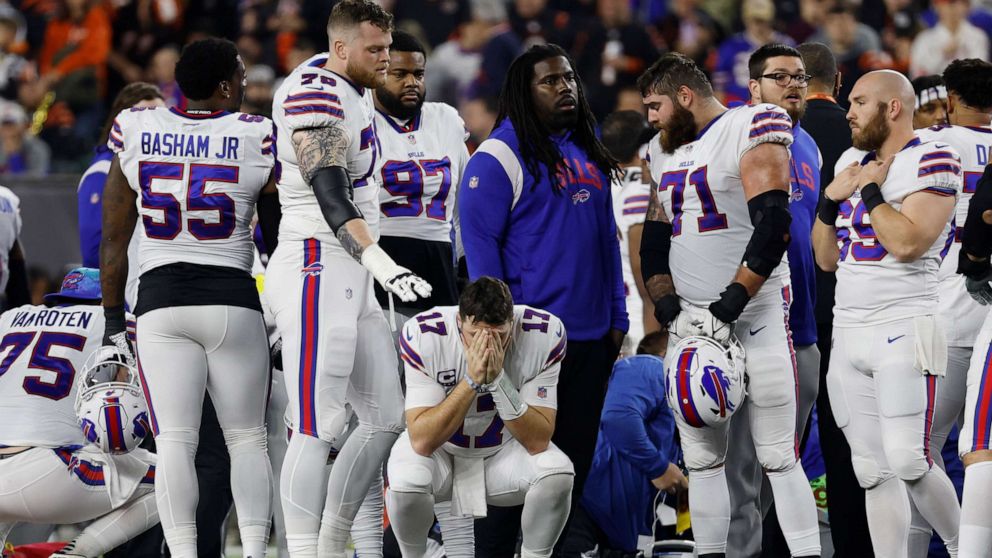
x,y
636,443
556,250
805,190
90,196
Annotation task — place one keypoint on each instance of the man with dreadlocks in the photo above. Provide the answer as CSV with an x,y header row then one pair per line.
x,y
536,212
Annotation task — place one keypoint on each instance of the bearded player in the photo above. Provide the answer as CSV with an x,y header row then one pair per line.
x,y
884,225
722,198
337,345
482,389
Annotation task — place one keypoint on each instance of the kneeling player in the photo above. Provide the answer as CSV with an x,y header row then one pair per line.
x,y
46,475
482,382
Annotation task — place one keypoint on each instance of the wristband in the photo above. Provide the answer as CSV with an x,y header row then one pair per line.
x,y
507,398
871,195
666,309
828,211
731,303
477,388
114,322
379,264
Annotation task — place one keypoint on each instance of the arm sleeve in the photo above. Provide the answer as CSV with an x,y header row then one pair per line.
x,y
625,411
485,198
619,319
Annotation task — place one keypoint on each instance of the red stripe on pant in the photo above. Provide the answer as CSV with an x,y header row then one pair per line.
x,y
308,339
928,421
787,298
982,425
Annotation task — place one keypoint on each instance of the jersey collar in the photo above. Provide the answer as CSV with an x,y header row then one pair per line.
x,y
712,122
359,89
983,129
412,125
874,154
184,114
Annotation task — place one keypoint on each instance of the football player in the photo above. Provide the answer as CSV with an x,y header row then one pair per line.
x,y
712,253
482,380
43,348
195,177
884,225
336,342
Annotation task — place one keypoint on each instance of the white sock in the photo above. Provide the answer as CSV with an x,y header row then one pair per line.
x,y
796,510
457,532
935,497
251,487
302,486
546,508
976,512
366,532
709,507
175,489
411,515
887,506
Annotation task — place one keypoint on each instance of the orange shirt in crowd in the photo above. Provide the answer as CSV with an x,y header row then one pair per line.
x,y
70,46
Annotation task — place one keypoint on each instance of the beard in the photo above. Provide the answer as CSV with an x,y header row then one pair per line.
x,y
364,77
873,134
796,114
679,130
396,107
563,119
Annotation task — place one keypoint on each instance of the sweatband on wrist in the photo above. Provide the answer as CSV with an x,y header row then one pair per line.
x,y
871,195
731,303
828,211
509,406
378,262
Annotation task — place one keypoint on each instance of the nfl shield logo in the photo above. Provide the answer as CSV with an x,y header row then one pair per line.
x,y
412,138
542,392
473,182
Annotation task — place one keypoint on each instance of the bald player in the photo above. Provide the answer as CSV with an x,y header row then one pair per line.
x,y
884,226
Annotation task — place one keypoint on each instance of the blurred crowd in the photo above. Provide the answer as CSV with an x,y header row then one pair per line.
x,y
62,61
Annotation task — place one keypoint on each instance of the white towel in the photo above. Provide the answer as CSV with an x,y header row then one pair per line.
x,y
121,473
931,346
468,487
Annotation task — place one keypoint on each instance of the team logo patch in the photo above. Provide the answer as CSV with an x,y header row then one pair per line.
x,y
412,138
473,182
582,196
347,294
313,269
542,392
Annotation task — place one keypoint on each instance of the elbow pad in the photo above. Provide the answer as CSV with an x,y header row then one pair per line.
x,y
269,216
977,235
335,196
656,243
771,219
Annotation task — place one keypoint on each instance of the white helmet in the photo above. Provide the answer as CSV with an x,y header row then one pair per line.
x,y
112,413
705,380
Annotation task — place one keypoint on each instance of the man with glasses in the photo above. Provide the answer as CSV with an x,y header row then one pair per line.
x,y
778,76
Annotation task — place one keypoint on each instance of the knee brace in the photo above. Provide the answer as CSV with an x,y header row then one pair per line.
x,y
771,381
552,461
246,440
776,458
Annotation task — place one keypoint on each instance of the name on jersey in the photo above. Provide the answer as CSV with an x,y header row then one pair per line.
x,y
168,144
982,154
53,318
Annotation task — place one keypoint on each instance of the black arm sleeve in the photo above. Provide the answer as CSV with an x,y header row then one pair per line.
x,y
771,218
335,196
976,240
269,216
656,243
17,292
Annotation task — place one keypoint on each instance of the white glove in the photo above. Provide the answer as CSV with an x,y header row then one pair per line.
x,y
682,326
710,326
121,343
394,278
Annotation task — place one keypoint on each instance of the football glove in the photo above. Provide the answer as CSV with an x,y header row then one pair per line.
x,y
710,326
979,288
394,278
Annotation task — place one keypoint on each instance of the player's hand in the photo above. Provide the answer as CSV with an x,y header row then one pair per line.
x,y
980,289
406,285
672,481
120,341
710,326
477,356
844,183
875,171
494,364
683,325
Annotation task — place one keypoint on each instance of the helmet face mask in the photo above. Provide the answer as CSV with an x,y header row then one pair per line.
x,y
706,381
110,405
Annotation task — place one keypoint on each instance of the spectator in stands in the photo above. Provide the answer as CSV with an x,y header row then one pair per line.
x,y
302,50
636,451
90,191
689,29
261,81
931,102
951,38
21,153
730,74
854,44
73,60
611,50
455,63
430,19
14,69
162,73
479,114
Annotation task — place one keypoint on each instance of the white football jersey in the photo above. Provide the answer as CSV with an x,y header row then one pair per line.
x,y
10,230
630,205
872,287
419,170
431,348
197,177
314,97
961,317
43,349
700,189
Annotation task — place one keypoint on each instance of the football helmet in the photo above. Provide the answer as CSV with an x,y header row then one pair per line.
x,y
706,380
111,409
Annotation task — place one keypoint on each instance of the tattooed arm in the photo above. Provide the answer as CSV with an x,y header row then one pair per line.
x,y
321,153
656,241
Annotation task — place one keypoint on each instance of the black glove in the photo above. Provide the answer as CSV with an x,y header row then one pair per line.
x,y
666,309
